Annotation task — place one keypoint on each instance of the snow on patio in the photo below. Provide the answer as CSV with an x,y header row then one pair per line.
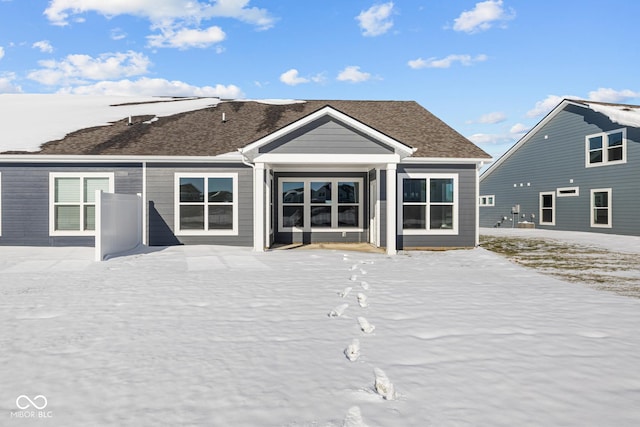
x,y
206,335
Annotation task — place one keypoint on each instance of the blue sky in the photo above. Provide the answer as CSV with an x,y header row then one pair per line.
x,y
491,69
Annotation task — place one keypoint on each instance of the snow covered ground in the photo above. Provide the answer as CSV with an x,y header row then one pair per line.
x,y
206,335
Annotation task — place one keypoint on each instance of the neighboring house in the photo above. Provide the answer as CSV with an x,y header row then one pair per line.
x,y
578,169
255,174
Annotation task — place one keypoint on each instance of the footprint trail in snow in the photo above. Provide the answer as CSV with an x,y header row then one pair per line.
x,y
365,326
362,300
354,418
353,350
339,310
345,292
383,386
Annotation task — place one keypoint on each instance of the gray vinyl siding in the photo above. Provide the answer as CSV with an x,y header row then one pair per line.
x,y
324,237
326,136
25,200
466,236
554,157
161,205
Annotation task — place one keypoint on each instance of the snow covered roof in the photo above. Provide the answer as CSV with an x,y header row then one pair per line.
x,y
625,115
29,120
75,125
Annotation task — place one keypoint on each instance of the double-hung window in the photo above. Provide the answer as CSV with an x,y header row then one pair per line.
x,y
206,203
548,208
72,201
429,203
601,208
320,204
606,148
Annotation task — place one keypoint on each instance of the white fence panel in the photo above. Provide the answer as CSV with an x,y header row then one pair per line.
x,y
118,223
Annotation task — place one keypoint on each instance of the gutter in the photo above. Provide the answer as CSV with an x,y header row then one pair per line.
x,y
55,158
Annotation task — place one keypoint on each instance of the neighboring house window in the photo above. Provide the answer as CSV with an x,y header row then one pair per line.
x,y
548,208
487,200
320,204
206,203
429,203
0,204
601,208
606,148
568,192
72,195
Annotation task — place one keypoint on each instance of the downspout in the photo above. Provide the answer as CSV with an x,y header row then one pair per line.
x,y
256,229
480,165
145,232
245,161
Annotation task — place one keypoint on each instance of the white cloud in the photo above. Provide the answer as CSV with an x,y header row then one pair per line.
x,y
186,38
549,103
161,12
482,17
611,95
1,52
491,118
505,138
376,20
154,87
292,78
80,68
7,85
43,45
118,34
487,138
447,62
519,128
353,74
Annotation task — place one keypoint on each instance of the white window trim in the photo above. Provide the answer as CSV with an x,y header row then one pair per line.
x,y
609,208
428,177
307,205
572,192
176,204
52,191
553,207
483,201
605,151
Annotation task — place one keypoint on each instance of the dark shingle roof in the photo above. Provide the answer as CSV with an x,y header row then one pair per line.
x,y
203,133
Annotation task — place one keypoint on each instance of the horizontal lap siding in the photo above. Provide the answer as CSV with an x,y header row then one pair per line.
x,y
326,136
25,200
466,236
161,209
546,164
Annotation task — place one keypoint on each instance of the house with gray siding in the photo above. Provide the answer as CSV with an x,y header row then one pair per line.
x,y
578,170
255,174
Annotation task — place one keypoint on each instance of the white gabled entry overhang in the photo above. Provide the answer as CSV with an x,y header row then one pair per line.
x,y
262,162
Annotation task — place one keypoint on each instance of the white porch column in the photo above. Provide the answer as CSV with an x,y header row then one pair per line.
x,y
391,208
258,207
